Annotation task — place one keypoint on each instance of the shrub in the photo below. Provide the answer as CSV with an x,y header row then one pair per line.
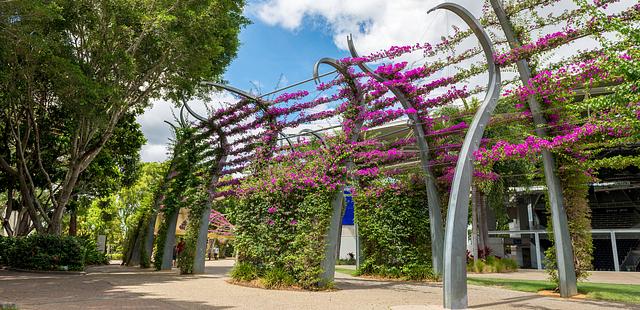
x,y
244,272
92,255
418,272
47,252
6,244
116,256
393,223
291,235
349,261
492,264
276,278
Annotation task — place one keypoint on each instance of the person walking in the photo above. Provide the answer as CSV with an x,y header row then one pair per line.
x,y
178,250
216,252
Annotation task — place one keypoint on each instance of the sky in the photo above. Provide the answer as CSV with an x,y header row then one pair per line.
x,y
287,37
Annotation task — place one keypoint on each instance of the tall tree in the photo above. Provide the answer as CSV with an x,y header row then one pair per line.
x,y
72,69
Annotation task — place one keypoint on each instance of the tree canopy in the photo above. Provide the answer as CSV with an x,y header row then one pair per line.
x,y
76,72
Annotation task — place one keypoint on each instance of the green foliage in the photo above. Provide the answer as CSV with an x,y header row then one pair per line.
x,y
116,256
417,271
159,241
575,191
6,244
137,203
178,192
46,252
245,272
393,223
284,229
492,264
91,255
274,241
277,278
74,70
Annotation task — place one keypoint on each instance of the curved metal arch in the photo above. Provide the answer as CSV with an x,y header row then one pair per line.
x,y
172,125
433,196
262,105
567,282
308,132
328,264
286,137
194,114
259,102
183,121
359,96
343,70
455,271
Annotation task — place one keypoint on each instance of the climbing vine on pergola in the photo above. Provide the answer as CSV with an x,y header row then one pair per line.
x,y
569,109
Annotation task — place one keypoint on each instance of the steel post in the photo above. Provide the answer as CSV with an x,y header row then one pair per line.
x,y
614,249
455,265
149,236
201,243
433,196
538,251
333,235
329,262
170,240
562,240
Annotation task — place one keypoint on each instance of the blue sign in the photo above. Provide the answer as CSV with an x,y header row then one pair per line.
x,y
347,219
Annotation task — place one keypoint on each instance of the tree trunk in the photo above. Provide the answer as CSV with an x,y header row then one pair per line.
x,y
7,214
24,226
475,236
483,228
480,231
73,222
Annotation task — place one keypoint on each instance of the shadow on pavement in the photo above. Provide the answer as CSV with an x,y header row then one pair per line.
x,y
103,287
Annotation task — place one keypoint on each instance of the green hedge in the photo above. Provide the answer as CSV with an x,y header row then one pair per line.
x,y
287,244
48,252
393,223
6,244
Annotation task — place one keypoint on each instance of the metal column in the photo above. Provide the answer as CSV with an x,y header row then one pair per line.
x,y
455,265
614,249
562,240
433,196
329,262
538,251
333,234
170,240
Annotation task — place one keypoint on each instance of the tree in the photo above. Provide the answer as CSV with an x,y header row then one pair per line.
x,y
73,69
117,166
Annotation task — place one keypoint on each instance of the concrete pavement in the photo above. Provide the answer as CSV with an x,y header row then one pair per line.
x,y
115,287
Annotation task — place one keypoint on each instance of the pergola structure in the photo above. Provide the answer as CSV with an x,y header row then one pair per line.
x,y
249,131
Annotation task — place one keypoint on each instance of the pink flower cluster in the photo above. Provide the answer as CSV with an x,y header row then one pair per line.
x,y
546,42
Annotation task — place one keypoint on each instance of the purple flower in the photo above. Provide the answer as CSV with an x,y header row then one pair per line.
x,y
272,210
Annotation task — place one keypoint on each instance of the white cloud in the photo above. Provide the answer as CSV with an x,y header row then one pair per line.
x,y
154,152
375,24
158,132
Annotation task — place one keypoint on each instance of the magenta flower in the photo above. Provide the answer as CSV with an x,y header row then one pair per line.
x,y
272,210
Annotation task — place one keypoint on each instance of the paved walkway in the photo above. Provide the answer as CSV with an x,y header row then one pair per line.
x,y
115,287
595,277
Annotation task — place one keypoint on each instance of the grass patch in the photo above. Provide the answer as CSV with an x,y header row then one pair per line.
x,y
351,272
603,291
